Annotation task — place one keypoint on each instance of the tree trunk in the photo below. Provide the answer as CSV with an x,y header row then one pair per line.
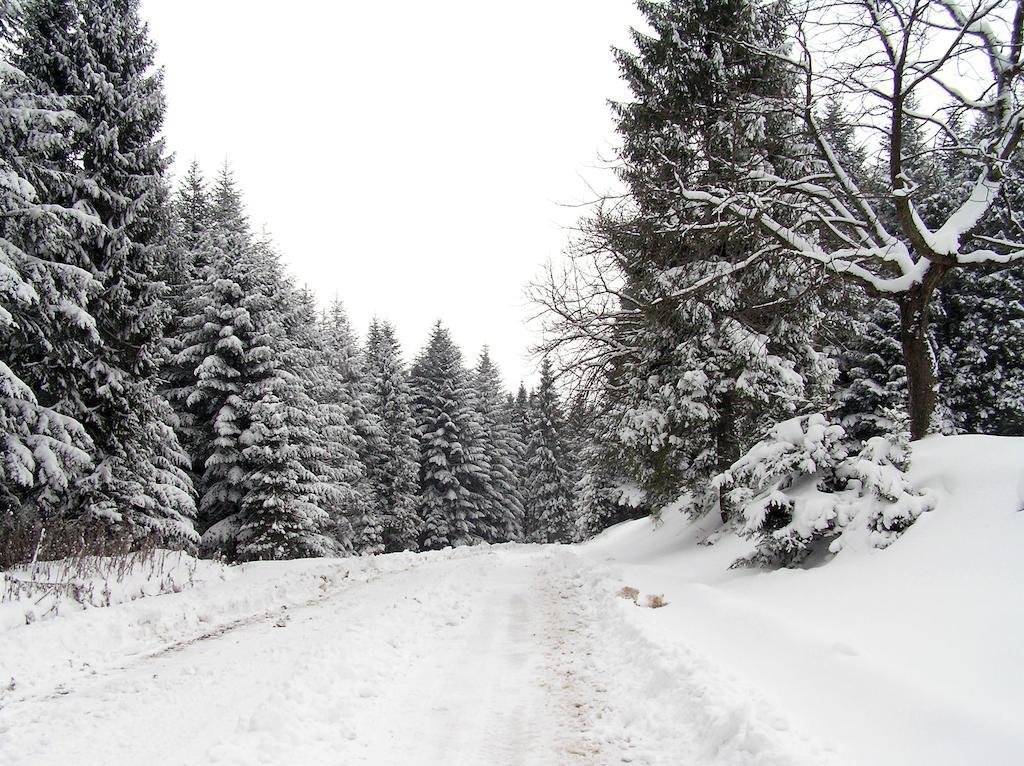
x,y
918,355
727,446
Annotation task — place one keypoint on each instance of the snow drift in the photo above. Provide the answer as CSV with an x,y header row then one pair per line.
x,y
911,655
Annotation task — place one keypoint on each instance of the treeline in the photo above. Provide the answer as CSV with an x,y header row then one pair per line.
x,y
802,239
163,377
301,441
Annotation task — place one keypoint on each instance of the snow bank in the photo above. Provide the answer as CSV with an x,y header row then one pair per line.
x,y
903,656
46,656
48,589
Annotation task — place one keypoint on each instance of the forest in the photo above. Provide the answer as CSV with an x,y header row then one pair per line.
x,y
760,505
812,264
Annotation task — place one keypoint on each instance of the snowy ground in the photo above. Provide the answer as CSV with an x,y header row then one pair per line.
x,y
506,655
527,655
911,655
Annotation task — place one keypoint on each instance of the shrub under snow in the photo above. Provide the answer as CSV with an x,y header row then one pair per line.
x,y
803,486
40,590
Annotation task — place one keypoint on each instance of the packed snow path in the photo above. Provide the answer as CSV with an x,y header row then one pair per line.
x,y
466,660
492,656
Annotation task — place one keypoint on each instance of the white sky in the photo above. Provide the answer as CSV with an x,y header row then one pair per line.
x,y
412,158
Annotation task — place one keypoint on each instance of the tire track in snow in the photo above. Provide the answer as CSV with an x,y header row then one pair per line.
x,y
504,656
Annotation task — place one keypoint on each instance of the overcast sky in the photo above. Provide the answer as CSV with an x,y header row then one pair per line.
x,y
412,158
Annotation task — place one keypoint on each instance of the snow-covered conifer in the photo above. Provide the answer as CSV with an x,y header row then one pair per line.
x,y
808,488
548,497
605,494
872,383
45,329
702,341
449,470
392,464
500,443
349,431
99,57
278,519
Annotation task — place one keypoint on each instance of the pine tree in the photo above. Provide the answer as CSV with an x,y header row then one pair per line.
x,y
278,519
442,406
392,465
872,384
549,492
216,331
45,329
502,448
354,432
98,56
705,343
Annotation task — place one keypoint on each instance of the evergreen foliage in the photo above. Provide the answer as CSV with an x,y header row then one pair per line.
x,y
450,469
97,56
807,489
279,519
872,385
549,498
350,432
392,467
501,447
45,329
605,494
717,342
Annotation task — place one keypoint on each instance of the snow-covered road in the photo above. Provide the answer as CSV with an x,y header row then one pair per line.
x,y
464,660
492,656
525,654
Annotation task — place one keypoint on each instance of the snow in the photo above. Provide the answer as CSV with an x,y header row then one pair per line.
x,y
527,654
481,655
947,239
908,655
45,590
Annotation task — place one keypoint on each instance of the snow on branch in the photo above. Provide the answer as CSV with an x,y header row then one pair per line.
x,y
895,65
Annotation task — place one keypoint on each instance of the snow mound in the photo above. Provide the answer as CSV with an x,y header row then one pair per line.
x,y
47,589
910,654
47,656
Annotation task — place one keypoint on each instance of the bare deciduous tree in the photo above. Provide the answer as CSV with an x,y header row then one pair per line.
x,y
950,69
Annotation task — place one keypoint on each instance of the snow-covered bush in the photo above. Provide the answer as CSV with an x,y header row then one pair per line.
x,y
42,589
803,488
886,502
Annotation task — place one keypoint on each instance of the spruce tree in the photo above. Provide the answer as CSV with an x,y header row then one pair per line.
x,y
694,353
185,275
392,465
193,207
287,472
253,346
45,329
500,443
98,56
982,357
603,494
549,497
351,433
979,324
872,384
278,520
216,330
449,472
